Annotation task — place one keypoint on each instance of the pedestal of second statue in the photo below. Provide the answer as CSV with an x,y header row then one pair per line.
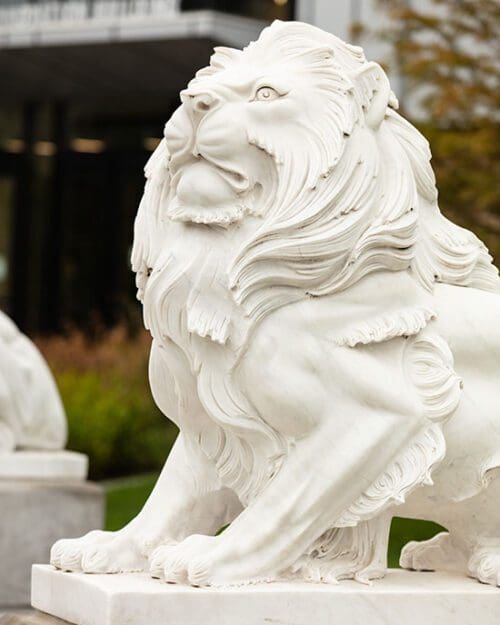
x,y
43,497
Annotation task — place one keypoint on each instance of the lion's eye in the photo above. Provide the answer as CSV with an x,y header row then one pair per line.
x,y
265,94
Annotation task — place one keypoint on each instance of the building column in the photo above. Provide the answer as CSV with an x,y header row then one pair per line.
x,y
22,220
50,305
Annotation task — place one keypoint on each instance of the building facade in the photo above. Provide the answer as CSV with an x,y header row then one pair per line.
x,y
86,87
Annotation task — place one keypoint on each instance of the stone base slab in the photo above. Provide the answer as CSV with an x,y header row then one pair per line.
x,y
402,598
33,515
43,465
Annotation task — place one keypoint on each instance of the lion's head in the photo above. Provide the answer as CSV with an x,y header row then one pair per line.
x,y
298,135
261,122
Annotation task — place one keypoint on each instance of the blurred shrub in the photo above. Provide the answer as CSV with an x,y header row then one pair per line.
x,y
111,414
448,53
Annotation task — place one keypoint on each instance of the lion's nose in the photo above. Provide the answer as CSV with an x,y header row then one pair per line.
x,y
203,102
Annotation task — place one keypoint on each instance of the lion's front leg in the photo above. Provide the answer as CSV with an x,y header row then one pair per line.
x,y
322,477
367,443
186,499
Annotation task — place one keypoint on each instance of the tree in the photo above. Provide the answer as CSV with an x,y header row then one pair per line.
x,y
449,51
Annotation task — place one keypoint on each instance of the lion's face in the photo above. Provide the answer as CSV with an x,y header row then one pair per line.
x,y
244,117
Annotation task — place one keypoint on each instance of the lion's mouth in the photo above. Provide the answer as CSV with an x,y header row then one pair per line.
x,y
239,182
209,192
234,178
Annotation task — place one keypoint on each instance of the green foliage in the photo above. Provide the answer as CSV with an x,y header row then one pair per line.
x,y
125,498
404,530
115,423
448,53
111,413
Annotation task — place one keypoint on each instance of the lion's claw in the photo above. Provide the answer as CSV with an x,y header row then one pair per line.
x,y
184,563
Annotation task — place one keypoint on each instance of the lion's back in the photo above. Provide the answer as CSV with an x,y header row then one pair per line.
x,y
469,320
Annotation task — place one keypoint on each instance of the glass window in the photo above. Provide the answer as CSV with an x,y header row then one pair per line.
x,y
6,198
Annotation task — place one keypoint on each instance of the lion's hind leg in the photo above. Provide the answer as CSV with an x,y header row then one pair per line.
x,y
484,562
472,544
439,553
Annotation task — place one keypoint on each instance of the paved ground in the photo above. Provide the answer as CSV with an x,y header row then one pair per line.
x,y
28,617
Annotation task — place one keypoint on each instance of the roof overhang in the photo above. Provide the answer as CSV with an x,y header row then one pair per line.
x,y
140,62
232,30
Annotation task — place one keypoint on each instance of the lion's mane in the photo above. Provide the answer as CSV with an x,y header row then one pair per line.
x,y
351,201
347,203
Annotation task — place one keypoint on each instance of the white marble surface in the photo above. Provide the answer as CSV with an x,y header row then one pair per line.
x,y
43,465
402,598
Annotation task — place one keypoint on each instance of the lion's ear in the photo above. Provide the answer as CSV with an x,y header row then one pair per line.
x,y
374,91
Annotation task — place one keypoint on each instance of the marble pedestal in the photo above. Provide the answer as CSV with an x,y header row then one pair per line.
x,y
34,513
44,465
402,598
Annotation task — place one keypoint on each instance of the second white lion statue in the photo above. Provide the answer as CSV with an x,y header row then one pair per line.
x,y
327,342
31,412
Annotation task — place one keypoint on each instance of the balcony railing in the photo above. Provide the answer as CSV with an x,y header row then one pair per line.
x,y
32,13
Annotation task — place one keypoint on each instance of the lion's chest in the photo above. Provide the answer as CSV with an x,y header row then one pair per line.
x,y
187,299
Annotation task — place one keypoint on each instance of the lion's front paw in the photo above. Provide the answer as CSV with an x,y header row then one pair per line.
x,y
98,552
188,562
211,561
66,554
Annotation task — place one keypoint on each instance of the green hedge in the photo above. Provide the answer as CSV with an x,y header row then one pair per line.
x,y
111,413
116,424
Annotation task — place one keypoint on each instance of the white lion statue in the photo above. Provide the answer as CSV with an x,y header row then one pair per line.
x,y
327,342
31,412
